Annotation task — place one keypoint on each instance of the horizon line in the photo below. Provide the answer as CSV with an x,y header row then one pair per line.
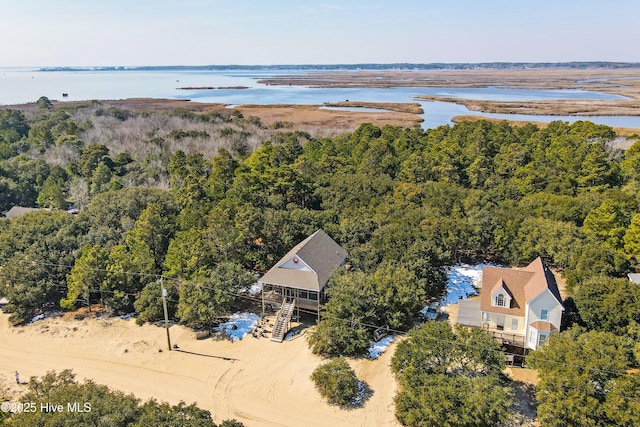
x,y
423,65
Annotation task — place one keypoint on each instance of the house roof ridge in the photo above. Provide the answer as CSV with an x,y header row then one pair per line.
x,y
318,251
543,279
523,285
501,284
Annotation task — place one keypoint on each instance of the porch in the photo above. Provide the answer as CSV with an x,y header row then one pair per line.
x,y
504,338
304,298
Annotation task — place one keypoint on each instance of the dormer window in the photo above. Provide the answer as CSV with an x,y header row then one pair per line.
x,y
500,295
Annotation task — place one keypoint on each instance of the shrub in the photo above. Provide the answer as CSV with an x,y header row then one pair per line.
x,y
181,134
450,378
336,381
278,124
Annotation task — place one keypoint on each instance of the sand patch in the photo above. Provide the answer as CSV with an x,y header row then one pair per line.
x,y
260,382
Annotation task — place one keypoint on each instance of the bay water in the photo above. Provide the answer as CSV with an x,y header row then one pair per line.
x,y
21,85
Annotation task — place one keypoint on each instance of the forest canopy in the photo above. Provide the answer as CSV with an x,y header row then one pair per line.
x,y
402,202
204,203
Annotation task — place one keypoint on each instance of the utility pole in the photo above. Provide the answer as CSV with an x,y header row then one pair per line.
x,y
166,314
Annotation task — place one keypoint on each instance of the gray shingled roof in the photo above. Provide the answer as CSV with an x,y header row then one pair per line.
x,y
17,211
469,313
320,252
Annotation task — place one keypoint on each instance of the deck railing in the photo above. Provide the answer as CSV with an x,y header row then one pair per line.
x,y
505,337
283,320
277,297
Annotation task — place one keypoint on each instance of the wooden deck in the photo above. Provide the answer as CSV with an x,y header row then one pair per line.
x,y
275,297
505,338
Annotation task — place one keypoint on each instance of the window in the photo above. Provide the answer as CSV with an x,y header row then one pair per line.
x,y
541,339
531,337
487,317
544,315
313,296
500,300
514,324
303,294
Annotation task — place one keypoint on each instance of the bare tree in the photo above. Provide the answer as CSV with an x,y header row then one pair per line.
x,y
79,193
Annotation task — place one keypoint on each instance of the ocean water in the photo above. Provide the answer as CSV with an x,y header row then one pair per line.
x,y
21,85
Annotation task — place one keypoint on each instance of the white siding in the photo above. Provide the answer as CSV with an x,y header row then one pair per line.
x,y
300,265
505,294
547,302
532,339
544,301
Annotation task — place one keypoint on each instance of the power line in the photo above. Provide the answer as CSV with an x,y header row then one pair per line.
x,y
352,322
349,321
70,267
94,290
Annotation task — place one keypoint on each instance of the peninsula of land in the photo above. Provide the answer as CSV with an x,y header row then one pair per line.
x,y
625,83
620,80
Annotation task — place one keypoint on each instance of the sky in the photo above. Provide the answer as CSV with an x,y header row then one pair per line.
x,y
249,32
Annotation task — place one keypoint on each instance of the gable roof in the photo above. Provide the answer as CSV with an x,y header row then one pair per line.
x,y
543,279
524,285
320,252
501,285
17,211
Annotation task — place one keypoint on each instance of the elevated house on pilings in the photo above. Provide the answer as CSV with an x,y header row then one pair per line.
x,y
299,279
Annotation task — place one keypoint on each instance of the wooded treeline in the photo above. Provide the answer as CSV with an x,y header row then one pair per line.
x,y
404,203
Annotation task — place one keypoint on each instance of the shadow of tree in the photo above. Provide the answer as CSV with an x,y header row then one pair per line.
x,y
523,408
364,394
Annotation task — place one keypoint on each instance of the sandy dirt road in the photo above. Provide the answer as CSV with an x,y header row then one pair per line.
x,y
257,381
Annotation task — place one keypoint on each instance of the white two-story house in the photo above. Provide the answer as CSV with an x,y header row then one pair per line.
x,y
523,303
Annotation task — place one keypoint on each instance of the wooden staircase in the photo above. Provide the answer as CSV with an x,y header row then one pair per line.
x,y
283,319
